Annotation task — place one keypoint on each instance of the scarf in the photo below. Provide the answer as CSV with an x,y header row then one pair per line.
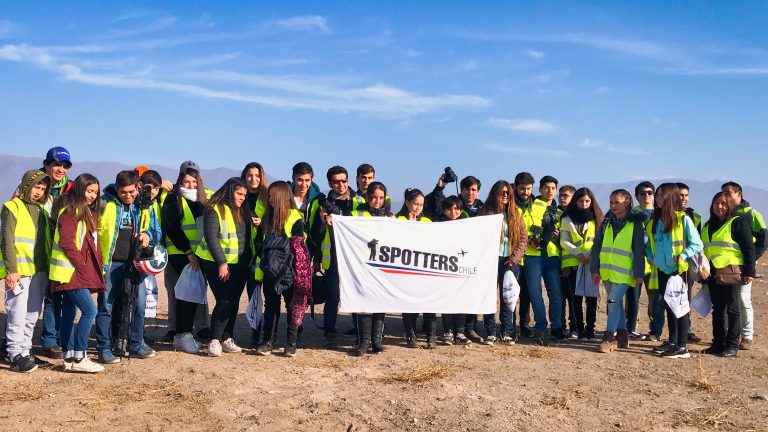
x,y
336,197
581,216
189,194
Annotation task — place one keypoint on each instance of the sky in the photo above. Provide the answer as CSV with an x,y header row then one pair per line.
x,y
585,91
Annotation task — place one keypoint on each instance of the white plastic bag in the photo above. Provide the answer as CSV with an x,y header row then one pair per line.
x,y
191,286
150,284
585,286
254,311
676,296
698,267
510,289
702,301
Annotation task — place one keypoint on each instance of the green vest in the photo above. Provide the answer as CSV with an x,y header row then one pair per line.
x,y
293,217
721,249
583,243
758,224
108,223
616,257
188,226
678,246
25,235
227,238
60,268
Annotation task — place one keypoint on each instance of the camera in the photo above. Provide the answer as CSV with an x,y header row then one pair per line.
x,y
329,206
144,199
535,238
449,176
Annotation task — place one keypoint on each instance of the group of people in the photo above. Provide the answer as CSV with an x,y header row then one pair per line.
x,y
63,240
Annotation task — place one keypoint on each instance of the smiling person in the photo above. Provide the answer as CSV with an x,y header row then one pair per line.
x,y
25,237
696,218
226,253
644,193
256,178
366,175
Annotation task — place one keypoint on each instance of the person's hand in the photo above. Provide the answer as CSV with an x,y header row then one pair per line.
x,y
746,280
144,239
11,279
441,181
582,258
596,278
194,261
317,266
167,185
224,272
555,232
256,221
638,282
329,219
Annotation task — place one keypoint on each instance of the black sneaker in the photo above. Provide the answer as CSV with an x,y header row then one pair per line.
x,y
663,347
527,332
693,338
168,336
559,335
714,350
289,351
23,364
538,339
411,342
330,340
730,352
676,353
53,353
264,349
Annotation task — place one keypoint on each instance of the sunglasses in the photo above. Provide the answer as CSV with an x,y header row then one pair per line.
x,y
505,193
646,193
343,181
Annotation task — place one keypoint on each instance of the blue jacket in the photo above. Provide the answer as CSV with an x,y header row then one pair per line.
x,y
663,241
125,212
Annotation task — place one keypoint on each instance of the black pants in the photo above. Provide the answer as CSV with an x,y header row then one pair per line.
x,y
567,287
185,315
227,295
726,315
678,327
409,323
576,307
272,311
331,307
454,323
524,308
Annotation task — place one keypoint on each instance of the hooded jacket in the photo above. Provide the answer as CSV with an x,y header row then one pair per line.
x,y
39,217
87,260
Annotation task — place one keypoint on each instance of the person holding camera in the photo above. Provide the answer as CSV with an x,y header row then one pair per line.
x,y
470,189
126,224
226,253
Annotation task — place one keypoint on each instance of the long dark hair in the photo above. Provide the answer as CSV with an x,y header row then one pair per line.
x,y
263,184
671,204
74,203
200,188
731,207
595,207
493,205
226,196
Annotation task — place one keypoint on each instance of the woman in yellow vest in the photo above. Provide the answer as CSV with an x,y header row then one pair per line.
x,y
226,254
256,178
579,223
728,242
76,269
413,210
282,218
672,239
617,258
24,243
182,208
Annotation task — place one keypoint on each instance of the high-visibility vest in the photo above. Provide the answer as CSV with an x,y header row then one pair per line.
x,y
60,268
360,199
696,218
157,206
758,224
108,228
616,257
584,243
423,219
325,245
648,266
721,249
678,246
293,217
24,238
534,216
188,226
227,237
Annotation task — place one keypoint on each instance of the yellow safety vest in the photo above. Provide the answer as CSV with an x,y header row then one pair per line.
x,y
721,249
227,238
60,268
616,257
108,224
534,216
188,226
325,245
583,243
24,238
293,217
678,246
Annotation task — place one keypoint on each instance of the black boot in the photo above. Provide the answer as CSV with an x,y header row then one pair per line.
x,y
364,324
290,344
377,333
430,322
409,323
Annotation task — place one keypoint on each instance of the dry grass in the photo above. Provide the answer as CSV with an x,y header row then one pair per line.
x,y
22,394
505,351
561,402
702,382
420,374
542,352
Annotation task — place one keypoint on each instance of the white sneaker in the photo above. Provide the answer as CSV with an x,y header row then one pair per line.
x,y
214,348
87,366
187,343
230,346
68,364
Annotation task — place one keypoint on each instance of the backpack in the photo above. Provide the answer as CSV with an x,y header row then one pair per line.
x,y
276,260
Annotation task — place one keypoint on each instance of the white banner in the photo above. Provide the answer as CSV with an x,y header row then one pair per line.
x,y
390,265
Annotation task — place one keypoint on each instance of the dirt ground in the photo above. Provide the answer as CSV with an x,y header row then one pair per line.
x,y
564,387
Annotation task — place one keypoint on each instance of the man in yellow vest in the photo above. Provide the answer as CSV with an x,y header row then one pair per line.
x,y
644,193
24,245
734,192
696,218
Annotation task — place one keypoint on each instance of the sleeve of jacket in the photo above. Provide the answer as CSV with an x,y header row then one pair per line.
x,y
566,228
211,233
692,239
434,201
741,230
594,262
8,226
155,232
519,250
638,250
67,232
171,224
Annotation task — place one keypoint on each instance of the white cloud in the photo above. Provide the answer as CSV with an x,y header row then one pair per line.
x,y
721,71
522,125
304,23
588,143
212,59
534,54
528,151
156,25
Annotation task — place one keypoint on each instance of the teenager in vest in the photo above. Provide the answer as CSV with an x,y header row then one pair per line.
x,y
182,208
255,177
412,210
696,218
523,186
580,221
24,242
306,194
76,269
757,223
727,238
122,225
513,241
672,239
618,259
564,197
366,174
282,218
226,253
341,201
371,326
644,193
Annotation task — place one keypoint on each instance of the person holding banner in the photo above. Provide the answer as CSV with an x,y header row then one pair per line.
x,y
513,242
413,210
672,239
370,327
728,245
453,324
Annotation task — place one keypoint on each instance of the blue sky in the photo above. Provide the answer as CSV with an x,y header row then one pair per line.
x,y
588,92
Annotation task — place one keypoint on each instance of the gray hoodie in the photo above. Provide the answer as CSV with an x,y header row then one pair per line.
x,y
39,219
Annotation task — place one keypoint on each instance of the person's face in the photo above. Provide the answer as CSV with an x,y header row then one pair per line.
x,y
301,184
91,193
37,192
452,212
239,196
524,191
339,183
565,198
363,180
57,170
733,194
504,198
584,202
619,206
469,194
645,196
548,191
189,182
127,194
376,199
253,179
684,197
416,205
154,191
720,207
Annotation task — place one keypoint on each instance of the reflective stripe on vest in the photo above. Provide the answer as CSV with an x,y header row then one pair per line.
x,y
583,243
721,249
678,246
227,238
25,234
188,226
616,257
60,268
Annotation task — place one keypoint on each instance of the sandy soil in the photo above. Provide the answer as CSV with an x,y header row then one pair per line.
x,y
565,387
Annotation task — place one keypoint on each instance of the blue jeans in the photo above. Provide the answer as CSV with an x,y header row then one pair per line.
x,y
106,301
617,316
75,344
506,314
534,269
658,306
632,307
51,319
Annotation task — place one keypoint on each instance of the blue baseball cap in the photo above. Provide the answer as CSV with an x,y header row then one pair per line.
x,y
58,154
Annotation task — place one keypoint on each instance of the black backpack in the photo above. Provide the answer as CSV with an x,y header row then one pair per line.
x,y
276,260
